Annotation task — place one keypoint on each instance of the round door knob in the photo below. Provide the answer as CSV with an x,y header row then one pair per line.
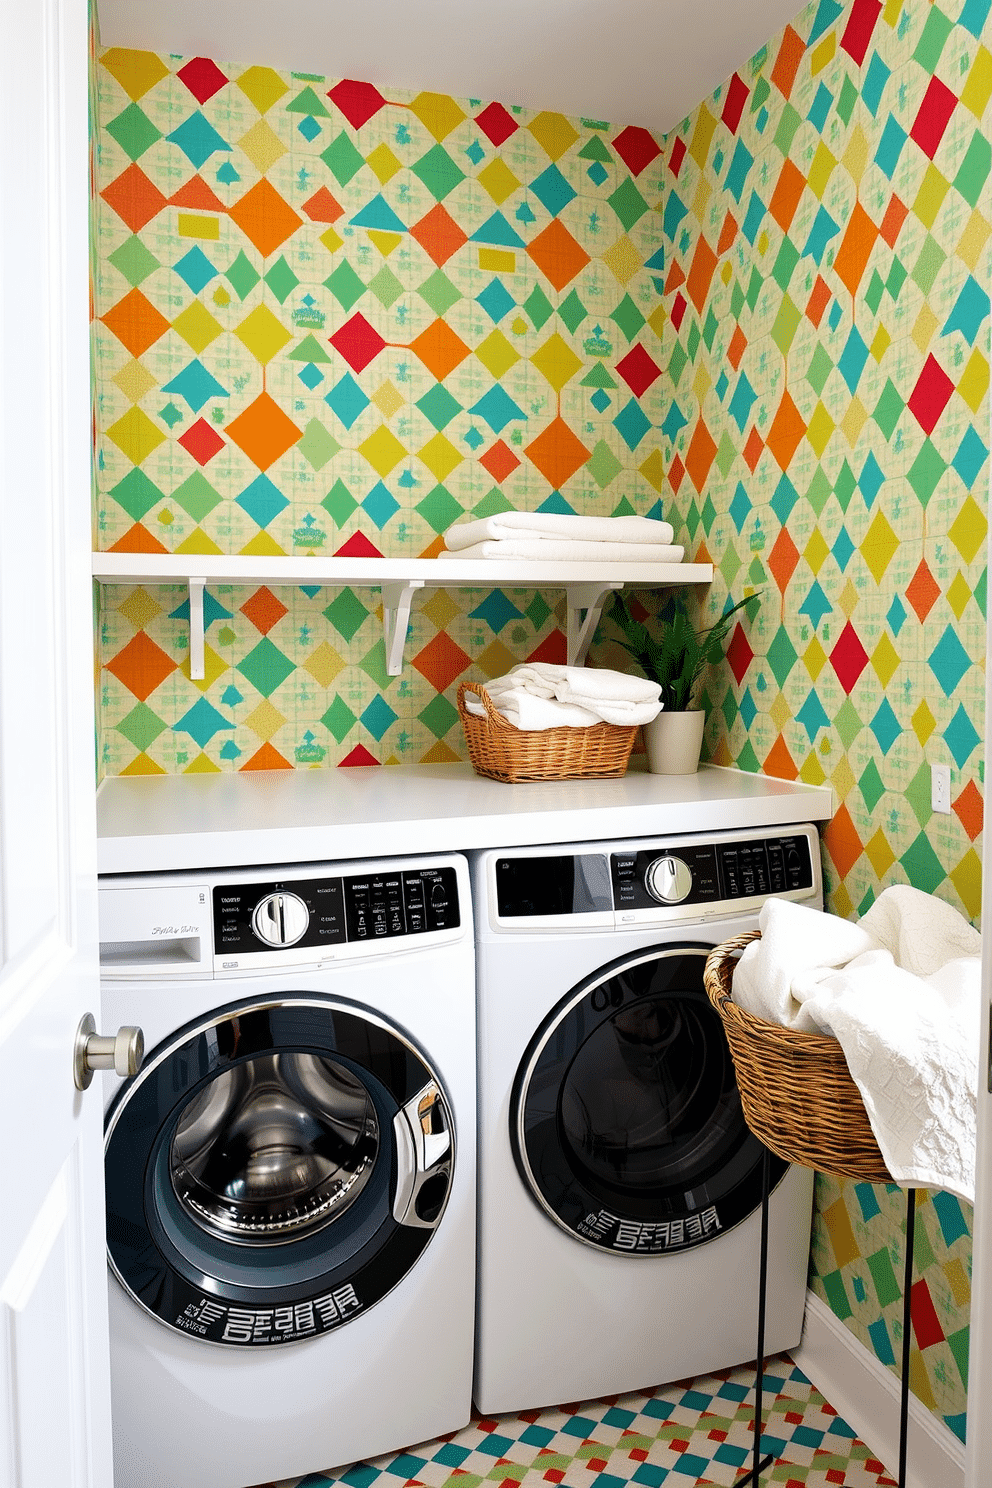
x,y
668,879
280,919
122,1051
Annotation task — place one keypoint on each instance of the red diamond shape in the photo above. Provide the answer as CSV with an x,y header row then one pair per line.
x,y
202,77
677,156
496,123
923,591
931,395
676,473
263,609
357,546
441,661
739,654
737,92
636,148
357,101
679,306
926,1324
848,658
500,461
638,370
933,117
358,342
134,198
857,33
201,441
752,450
553,648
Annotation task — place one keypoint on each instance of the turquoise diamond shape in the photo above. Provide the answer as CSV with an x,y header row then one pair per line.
x,y
262,500
378,717
201,722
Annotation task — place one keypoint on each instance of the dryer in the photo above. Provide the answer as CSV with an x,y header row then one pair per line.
x,y
291,1173
619,1186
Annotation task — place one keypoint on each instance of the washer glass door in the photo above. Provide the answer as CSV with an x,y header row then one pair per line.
x,y
626,1120
275,1169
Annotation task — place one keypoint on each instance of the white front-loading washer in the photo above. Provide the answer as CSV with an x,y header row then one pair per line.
x,y
291,1173
619,1187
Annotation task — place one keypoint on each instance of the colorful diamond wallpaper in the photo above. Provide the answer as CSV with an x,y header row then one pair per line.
x,y
330,318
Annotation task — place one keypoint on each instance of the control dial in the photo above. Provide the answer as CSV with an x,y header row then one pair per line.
x,y
280,919
668,879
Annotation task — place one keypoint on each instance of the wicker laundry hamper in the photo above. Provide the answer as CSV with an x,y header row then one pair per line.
x,y
502,752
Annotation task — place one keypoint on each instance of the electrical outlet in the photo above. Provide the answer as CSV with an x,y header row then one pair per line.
x,y
940,788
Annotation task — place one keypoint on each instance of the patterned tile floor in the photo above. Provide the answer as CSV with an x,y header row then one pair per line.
x,y
693,1432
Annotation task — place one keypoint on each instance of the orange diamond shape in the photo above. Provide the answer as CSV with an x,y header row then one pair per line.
x,y
500,461
264,217
700,455
923,591
267,758
737,348
134,198
135,322
786,431
753,450
438,234
263,609
855,249
557,452
440,350
263,431
441,661
141,666
558,256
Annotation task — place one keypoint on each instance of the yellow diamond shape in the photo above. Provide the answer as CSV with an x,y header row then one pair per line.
x,y
967,879
440,457
881,341
214,666
653,469
930,196
701,196
556,361
262,146
923,722
262,545
388,400
842,778
134,380
780,712
974,382
848,600
142,764
958,595
925,328
202,765
957,1276
496,354
441,609
823,54
973,240
553,133
262,86
383,162
262,334
885,660
135,435
879,546
969,529
386,242
855,157
702,136
814,658
197,326
763,241
854,421
140,608
383,450
821,426
811,772
879,853
821,169
657,320
702,382
437,112
331,240
265,720
198,542
623,260
816,552
978,89
135,71
498,179
324,664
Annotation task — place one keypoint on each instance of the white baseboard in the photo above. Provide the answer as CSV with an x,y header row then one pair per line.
x,y
866,1395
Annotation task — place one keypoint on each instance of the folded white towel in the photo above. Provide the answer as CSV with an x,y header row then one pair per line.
x,y
605,685
558,524
594,694
526,711
910,1036
565,550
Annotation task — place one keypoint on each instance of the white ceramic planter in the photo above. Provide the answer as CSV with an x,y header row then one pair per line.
x,y
673,742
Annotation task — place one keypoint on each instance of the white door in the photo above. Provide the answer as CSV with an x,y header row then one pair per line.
x,y
54,1367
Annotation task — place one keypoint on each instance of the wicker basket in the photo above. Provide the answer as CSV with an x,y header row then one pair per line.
x,y
796,1089
503,752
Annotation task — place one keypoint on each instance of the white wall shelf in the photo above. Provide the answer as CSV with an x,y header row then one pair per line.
x,y
587,586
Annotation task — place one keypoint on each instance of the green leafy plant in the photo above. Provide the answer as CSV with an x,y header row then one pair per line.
x,y
679,654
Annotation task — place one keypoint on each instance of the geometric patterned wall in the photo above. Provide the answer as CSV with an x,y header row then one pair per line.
x,y
827,231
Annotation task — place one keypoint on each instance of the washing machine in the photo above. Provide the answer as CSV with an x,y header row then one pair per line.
x,y
619,1187
291,1172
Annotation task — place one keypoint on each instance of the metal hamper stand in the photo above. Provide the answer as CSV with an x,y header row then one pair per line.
x,y
799,1099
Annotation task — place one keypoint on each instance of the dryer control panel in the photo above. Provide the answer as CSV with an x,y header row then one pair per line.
x,y
711,873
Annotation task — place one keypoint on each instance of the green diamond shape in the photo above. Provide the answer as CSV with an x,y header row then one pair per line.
x,y
710,328
729,708
929,263
438,172
345,285
347,614
134,261
789,122
281,279
726,454
538,610
628,317
572,312
926,470
730,566
754,285
845,485
785,263
888,409
440,715
919,794
538,307
439,293
848,98
847,723
339,720
923,868
141,726
603,465
871,785
974,169
136,494
737,300
932,38
628,203
692,341
342,159
494,501
897,276
676,362
439,509
317,445
819,369
874,292
373,664
692,519
196,496
748,760
133,131
386,287
266,668
756,570
339,503
786,324
242,275
781,656
819,490
438,406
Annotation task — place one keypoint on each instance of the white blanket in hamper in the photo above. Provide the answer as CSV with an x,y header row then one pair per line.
x,y
901,992
513,524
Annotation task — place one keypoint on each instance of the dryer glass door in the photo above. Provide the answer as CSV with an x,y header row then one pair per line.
x,y
626,1119
275,1169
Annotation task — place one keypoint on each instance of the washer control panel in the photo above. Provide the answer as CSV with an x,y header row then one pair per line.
x,y
712,873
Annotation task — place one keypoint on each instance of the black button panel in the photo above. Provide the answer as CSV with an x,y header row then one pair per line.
x,y
748,869
376,907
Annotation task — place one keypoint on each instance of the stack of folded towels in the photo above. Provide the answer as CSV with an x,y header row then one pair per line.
x,y
541,695
563,538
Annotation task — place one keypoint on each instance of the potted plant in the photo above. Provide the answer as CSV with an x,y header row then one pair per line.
x,y
675,656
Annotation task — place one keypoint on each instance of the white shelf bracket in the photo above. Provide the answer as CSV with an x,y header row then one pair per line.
x,y
396,602
197,660
579,628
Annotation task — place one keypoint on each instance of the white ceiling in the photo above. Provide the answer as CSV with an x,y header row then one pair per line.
x,y
645,62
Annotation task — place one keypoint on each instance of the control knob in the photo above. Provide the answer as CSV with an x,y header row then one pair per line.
x,y
668,879
280,919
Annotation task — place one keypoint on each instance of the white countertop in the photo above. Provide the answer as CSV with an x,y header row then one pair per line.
x,y
167,822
